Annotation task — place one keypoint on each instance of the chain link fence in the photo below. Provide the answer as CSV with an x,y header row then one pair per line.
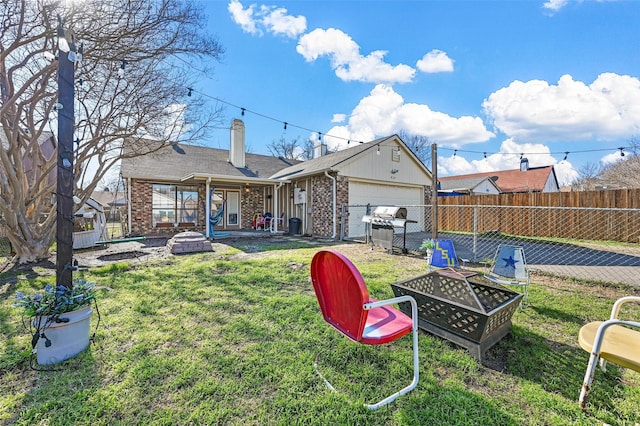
x,y
595,244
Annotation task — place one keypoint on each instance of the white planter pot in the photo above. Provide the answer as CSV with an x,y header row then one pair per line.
x,y
67,339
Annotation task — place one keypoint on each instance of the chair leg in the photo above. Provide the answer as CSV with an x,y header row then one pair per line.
x,y
390,398
414,382
588,379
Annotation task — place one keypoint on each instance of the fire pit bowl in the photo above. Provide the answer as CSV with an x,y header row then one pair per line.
x,y
462,307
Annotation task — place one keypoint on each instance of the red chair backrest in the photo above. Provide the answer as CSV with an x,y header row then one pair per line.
x,y
341,292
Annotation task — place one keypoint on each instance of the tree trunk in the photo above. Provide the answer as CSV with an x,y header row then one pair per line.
x,y
32,249
29,239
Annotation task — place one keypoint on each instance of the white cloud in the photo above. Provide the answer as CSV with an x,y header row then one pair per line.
x,y
435,61
346,60
383,112
555,5
243,17
278,22
607,109
611,158
270,18
507,158
338,118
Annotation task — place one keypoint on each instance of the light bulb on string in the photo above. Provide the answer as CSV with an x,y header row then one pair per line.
x,y
455,152
621,151
63,43
285,125
566,154
242,110
378,152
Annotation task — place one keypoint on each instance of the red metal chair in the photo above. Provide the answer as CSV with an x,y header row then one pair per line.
x,y
345,304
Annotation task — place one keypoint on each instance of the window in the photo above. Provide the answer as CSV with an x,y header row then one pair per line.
x,y
174,204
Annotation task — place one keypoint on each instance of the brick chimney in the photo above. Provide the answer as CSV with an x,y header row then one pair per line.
x,y
236,148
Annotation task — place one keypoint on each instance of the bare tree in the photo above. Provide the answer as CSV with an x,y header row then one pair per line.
x,y
131,84
420,145
624,173
290,150
294,149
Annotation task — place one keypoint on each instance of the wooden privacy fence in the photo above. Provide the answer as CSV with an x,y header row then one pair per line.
x,y
612,215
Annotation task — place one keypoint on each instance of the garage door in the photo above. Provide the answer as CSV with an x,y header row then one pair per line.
x,y
361,193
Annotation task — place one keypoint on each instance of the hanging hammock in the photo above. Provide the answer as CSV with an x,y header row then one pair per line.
x,y
216,219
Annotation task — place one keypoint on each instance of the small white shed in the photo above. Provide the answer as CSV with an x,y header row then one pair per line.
x,y
89,225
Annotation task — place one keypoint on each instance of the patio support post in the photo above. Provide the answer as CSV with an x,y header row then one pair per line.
x,y
207,208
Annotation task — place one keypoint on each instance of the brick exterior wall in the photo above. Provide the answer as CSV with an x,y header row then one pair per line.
x,y
250,203
342,199
141,211
322,204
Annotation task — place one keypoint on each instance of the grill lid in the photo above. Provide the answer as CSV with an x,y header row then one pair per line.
x,y
390,212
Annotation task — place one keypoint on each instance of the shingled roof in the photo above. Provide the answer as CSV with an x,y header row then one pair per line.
x,y
463,184
186,160
326,162
532,180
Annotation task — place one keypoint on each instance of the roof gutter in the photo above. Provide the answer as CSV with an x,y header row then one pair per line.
x,y
227,178
334,197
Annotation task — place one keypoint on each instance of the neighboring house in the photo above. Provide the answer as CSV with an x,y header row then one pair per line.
x,y
460,185
112,201
181,188
525,179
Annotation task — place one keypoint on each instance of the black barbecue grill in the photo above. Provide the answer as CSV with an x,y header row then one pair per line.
x,y
384,221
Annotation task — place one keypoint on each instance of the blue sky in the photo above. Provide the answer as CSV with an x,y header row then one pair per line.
x,y
498,77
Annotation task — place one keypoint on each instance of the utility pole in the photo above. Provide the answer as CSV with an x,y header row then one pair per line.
x,y
434,186
65,179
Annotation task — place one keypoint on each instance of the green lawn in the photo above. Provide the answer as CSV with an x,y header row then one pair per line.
x,y
227,338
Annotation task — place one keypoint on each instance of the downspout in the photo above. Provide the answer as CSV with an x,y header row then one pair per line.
x,y
276,213
334,189
129,204
207,207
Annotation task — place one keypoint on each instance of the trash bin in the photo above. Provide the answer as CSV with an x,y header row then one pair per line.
x,y
295,225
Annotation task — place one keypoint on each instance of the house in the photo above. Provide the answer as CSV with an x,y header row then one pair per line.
x,y
460,185
183,187
524,179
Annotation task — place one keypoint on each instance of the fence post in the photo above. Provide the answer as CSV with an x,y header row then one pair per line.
x,y
475,232
434,185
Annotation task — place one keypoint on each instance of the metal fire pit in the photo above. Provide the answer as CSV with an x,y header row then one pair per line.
x,y
462,307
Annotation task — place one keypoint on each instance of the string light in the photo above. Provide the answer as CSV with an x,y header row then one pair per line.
x,y
378,152
521,154
566,154
123,64
189,91
455,151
